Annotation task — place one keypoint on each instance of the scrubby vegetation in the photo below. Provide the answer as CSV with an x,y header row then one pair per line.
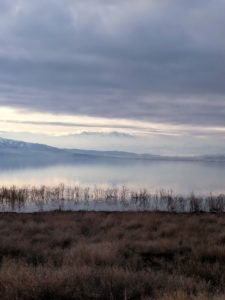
x,y
61,197
97,255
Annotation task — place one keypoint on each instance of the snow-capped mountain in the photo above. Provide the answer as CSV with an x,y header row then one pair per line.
x,y
17,153
13,144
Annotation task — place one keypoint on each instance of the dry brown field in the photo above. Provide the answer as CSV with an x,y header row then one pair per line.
x,y
124,255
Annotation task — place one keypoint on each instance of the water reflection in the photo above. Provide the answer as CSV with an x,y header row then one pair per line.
x,y
76,198
182,177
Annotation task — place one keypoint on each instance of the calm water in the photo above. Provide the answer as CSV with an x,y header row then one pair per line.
x,y
181,177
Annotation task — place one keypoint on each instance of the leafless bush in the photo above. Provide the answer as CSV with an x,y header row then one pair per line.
x,y
195,204
216,204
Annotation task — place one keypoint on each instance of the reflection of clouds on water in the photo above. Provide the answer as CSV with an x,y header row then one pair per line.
x,y
182,177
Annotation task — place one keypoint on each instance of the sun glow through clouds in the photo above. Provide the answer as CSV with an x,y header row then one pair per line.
x,y
20,120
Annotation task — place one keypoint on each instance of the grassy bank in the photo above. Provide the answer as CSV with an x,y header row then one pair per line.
x,y
90,255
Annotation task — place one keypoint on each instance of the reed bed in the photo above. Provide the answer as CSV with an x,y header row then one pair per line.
x,y
76,198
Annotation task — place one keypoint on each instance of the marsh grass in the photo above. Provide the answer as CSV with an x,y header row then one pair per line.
x,y
123,255
61,197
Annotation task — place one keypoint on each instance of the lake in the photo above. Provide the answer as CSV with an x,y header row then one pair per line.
x,y
182,177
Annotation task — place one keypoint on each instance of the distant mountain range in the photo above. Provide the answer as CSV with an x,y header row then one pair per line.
x,y
17,153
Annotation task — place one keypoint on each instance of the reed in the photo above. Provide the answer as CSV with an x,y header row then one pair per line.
x,y
61,197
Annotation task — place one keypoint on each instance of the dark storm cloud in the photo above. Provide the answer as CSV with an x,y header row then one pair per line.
x,y
156,60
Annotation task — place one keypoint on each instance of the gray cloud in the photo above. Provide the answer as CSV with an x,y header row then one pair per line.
x,y
154,60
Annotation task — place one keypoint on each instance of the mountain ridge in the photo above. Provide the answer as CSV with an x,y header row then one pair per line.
x,y
12,149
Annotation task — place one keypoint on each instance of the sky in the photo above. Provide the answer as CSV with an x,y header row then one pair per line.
x,y
141,76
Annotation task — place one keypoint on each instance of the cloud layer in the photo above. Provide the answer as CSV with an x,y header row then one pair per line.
x,y
158,60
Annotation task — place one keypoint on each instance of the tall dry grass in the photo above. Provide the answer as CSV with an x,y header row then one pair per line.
x,y
129,255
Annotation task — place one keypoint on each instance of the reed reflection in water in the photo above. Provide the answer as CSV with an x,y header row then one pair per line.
x,y
76,198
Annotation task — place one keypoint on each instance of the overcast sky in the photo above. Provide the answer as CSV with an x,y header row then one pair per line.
x,y
144,76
